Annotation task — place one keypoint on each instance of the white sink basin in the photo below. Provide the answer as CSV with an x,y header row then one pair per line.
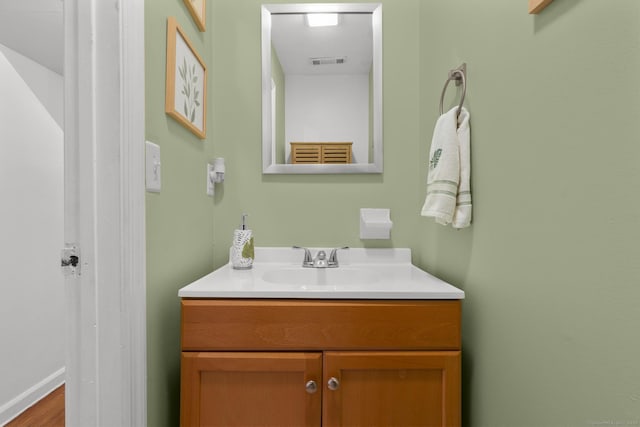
x,y
340,276
362,274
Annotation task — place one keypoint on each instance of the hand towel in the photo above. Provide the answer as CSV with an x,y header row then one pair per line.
x,y
448,182
462,214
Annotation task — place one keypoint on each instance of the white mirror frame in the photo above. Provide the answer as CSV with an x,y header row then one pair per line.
x,y
268,162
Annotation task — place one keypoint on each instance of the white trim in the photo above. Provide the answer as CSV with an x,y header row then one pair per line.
x,y
133,254
29,397
322,7
104,212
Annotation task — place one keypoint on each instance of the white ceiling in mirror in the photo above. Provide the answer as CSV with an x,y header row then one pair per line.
x,y
327,116
351,40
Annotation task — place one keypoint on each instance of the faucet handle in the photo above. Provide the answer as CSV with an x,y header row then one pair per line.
x,y
333,257
308,260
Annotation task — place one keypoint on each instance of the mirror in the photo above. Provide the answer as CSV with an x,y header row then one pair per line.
x,y
322,88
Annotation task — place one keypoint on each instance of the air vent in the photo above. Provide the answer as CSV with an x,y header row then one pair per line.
x,y
328,60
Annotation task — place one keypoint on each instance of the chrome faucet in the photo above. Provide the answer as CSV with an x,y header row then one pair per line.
x,y
320,261
307,261
333,257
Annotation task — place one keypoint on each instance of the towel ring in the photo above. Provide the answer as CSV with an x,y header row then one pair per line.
x,y
458,75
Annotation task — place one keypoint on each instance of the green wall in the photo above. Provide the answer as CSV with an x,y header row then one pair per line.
x,y
179,218
311,210
548,265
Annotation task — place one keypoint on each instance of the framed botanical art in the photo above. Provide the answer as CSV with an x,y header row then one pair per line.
x,y
197,10
186,84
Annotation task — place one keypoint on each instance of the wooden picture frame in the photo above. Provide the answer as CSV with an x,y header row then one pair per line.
x,y
536,6
197,9
186,81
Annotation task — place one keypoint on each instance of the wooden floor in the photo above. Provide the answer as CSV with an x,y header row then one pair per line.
x,y
49,412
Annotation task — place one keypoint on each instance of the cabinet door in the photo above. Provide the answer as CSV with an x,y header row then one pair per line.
x,y
250,389
392,388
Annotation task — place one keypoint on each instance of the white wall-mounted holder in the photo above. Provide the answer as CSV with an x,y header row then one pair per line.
x,y
375,223
215,174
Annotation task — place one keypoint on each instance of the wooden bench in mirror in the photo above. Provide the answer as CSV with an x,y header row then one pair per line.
x,y
321,152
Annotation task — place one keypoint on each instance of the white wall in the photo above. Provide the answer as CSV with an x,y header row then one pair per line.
x,y
328,108
45,84
31,235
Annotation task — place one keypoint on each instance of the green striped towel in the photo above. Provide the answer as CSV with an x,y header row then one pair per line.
x,y
448,182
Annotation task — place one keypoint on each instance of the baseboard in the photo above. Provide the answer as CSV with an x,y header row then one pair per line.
x,y
29,397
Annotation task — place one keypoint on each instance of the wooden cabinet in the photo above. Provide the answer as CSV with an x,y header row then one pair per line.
x,y
320,363
409,388
250,389
320,152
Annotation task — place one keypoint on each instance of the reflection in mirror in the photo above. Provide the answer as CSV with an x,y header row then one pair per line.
x,y
322,88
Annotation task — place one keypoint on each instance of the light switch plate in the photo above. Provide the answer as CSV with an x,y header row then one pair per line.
x,y
153,167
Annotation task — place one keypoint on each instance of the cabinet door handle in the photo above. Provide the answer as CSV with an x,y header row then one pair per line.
x,y
333,384
311,387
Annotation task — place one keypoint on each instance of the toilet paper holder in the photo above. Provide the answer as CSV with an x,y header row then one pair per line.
x,y
375,223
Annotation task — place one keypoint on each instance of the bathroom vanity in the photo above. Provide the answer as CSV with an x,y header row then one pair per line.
x,y
374,342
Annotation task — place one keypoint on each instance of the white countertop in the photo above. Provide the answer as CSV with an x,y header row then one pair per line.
x,y
363,274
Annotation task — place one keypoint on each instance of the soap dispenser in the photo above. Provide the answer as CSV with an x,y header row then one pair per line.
x,y
241,253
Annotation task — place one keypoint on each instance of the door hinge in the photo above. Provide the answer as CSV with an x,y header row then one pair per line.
x,y
70,260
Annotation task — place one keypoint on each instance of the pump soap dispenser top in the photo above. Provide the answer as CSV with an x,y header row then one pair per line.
x,y
241,253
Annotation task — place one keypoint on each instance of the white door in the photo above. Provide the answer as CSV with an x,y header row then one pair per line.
x,y
104,212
